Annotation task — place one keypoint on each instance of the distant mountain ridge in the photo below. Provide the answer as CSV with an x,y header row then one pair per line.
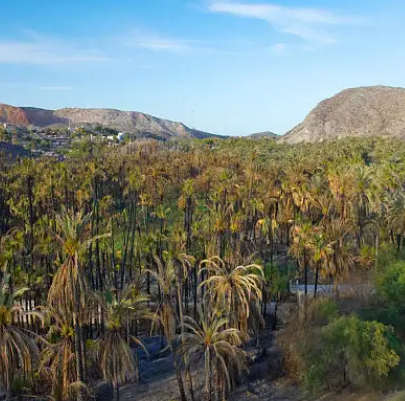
x,y
128,121
365,111
264,134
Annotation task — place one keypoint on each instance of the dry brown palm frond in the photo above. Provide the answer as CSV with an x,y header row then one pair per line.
x,y
232,287
113,348
217,346
116,360
18,350
58,361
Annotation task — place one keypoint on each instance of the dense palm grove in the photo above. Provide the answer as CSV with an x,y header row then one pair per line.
x,y
190,240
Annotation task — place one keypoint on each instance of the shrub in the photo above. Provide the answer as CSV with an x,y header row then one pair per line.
x,y
321,311
388,255
346,351
390,283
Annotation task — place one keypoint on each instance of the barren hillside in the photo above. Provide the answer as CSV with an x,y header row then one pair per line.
x,y
366,111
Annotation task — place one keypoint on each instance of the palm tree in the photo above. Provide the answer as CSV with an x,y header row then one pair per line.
x,y
301,237
4,254
183,264
69,289
114,351
342,184
396,216
321,250
18,351
59,358
167,280
340,236
233,288
217,346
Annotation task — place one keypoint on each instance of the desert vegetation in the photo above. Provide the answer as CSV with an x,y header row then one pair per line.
x,y
197,242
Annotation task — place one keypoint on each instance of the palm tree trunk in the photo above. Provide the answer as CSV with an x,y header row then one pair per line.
x,y
189,380
137,368
265,300
316,281
377,246
78,349
208,376
179,381
195,291
83,352
116,390
305,275
274,328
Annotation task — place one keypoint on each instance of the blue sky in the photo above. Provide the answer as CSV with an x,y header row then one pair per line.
x,y
224,66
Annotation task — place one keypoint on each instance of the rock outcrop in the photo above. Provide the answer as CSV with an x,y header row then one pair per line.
x,y
128,121
366,111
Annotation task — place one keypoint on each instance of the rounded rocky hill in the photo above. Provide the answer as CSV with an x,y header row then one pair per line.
x,y
129,121
366,111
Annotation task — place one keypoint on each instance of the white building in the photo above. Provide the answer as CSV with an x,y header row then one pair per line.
x,y
121,136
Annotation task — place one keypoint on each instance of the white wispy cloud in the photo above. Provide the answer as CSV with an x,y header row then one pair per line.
x,y
310,24
160,43
39,50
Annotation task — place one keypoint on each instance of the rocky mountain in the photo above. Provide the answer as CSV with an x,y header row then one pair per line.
x,y
128,121
265,134
365,111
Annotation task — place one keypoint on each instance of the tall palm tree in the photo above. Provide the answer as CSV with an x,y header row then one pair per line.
x,y
18,351
166,277
321,251
4,254
58,362
184,264
340,236
301,237
396,216
114,351
69,290
233,288
342,184
217,346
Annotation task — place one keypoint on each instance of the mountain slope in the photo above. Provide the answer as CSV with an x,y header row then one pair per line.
x,y
265,134
365,111
128,121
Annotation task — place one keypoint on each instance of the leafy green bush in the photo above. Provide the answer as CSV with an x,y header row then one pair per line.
x,y
346,351
388,255
390,284
277,279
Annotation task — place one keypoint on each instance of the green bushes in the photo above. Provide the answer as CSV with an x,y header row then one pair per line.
x,y
390,284
334,352
359,349
365,349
